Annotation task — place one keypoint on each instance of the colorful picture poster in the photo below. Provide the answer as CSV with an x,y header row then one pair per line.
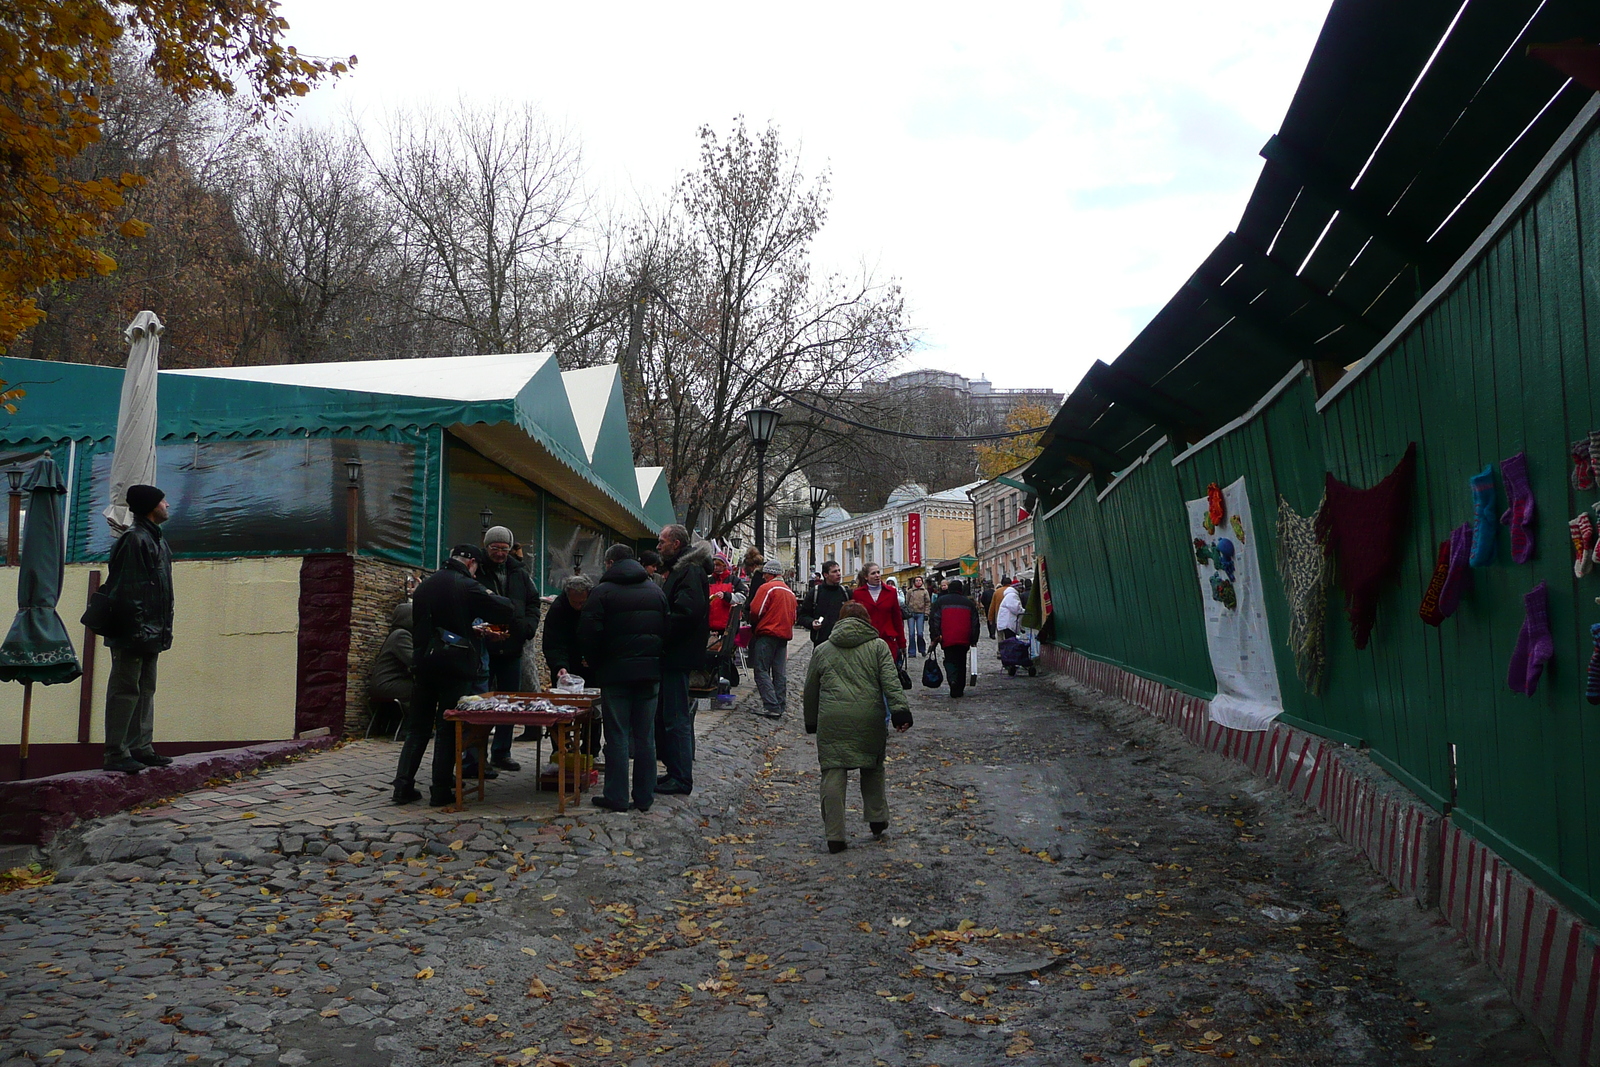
x,y
1223,539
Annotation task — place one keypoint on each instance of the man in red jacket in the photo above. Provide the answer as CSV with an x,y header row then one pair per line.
x,y
772,611
954,625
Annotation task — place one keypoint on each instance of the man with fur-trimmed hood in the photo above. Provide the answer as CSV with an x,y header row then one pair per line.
x,y
688,633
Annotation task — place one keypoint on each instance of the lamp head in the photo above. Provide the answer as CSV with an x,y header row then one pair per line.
x,y
763,423
352,470
487,515
14,476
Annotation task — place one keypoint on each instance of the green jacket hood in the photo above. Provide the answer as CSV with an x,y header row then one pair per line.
x,y
848,633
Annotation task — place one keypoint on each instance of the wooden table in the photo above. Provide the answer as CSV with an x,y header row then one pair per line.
x,y
563,727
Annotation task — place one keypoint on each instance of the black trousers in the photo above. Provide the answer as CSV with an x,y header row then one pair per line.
x,y
955,668
429,701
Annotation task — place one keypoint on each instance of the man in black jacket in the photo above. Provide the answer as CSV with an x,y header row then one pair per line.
x,y
688,633
505,575
622,630
820,609
140,590
451,600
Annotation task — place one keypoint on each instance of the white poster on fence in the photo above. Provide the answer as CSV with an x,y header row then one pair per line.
x,y
1223,538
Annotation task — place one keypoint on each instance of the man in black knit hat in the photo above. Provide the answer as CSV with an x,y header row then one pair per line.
x,y
140,590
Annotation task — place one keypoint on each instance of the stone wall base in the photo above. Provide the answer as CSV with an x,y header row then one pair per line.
x,y
1546,956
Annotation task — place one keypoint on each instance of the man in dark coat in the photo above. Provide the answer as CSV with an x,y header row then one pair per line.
x,y
688,633
451,599
820,610
140,590
955,623
560,646
622,630
507,576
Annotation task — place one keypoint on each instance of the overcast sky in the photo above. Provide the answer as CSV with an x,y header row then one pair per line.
x,y
1040,177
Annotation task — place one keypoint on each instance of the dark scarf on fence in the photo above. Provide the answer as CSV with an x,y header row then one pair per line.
x,y
1361,531
1303,568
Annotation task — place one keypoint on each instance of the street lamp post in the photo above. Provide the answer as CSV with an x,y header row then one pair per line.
x,y
14,520
819,497
763,423
352,503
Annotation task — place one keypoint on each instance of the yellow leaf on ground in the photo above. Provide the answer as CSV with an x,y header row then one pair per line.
x,y
426,972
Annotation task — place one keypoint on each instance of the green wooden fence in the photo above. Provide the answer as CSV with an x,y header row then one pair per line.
x,y
1499,365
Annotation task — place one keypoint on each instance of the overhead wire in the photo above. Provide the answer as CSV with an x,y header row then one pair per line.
x,y
824,412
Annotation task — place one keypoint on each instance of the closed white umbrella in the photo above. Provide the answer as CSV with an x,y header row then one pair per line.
x,y
134,461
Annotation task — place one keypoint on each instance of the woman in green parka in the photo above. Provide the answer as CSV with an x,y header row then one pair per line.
x,y
851,680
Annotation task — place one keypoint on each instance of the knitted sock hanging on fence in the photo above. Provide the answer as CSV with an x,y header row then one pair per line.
x,y
1519,516
1591,689
1459,574
1430,599
1361,531
1534,644
1303,569
1484,530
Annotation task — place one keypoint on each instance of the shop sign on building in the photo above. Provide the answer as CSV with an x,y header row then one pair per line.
x,y
914,538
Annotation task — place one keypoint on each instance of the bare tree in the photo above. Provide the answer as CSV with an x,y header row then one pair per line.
x,y
486,197
725,315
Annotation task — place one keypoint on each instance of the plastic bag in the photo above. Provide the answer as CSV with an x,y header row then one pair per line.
x,y
569,683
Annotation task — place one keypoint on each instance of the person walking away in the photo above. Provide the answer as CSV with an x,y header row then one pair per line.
x,y
391,671
449,652
772,610
725,598
140,589
917,604
821,608
851,676
684,650
955,624
1009,616
987,604
502,573
993,610
621,632
883,608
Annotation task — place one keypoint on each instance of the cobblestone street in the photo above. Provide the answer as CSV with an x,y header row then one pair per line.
x,y
1062,882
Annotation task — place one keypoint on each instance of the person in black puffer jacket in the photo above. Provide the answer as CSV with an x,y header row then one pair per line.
x,y
450,599
503,573
688,634
621,633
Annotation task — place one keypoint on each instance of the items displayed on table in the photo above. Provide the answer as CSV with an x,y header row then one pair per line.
x,y
506,703
1361,530
1534,645
1303,569
1519,514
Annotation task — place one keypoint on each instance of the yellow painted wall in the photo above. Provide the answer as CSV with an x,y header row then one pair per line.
x,y
946,538
229,676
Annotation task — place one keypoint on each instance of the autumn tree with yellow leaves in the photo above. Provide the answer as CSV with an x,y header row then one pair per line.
x,y
55,61
997,457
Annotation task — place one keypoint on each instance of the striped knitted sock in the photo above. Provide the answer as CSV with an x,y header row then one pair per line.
x,y
1582,531
1591,690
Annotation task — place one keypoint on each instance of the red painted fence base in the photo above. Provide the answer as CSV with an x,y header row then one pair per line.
x,y
1546,956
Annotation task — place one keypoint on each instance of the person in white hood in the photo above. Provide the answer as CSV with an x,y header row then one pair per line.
x,y
1009,618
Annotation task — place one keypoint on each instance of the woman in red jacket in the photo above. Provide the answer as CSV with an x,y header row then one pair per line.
x,y
883,608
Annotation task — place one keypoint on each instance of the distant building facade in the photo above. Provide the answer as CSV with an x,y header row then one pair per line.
x,y
913,530
1002,526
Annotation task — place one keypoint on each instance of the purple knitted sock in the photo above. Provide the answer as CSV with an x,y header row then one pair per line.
x,y
1519,516
1534,644
1459,577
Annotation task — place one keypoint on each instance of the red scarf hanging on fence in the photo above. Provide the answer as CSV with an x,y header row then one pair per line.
x,y
1361,531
